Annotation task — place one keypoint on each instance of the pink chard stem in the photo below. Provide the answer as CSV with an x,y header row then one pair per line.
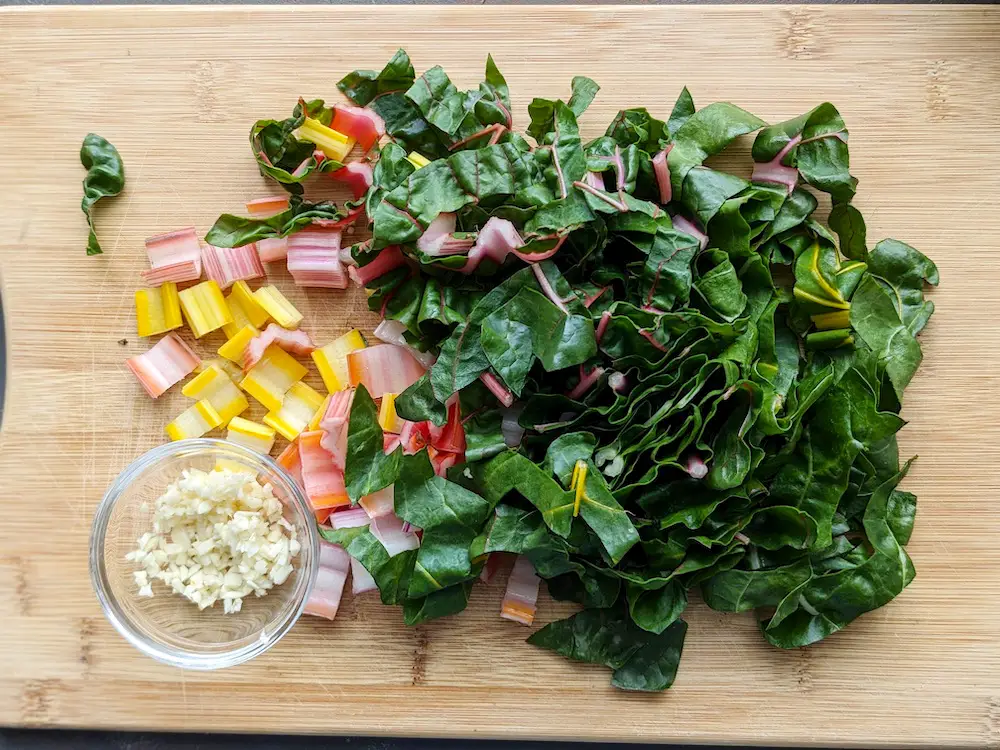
x,y
543,282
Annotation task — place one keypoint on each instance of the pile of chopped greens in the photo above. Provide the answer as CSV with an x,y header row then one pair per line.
x,y
719,371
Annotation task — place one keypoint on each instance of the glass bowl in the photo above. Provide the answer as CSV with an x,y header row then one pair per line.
x,y
167,626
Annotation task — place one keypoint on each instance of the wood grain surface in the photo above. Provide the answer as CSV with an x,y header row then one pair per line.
x,y
176,90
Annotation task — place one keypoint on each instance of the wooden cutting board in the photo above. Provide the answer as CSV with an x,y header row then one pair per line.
x,y
176,90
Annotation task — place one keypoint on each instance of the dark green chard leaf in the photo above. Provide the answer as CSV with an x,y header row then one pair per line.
x,y
496,85
844,422
559,340
589,588
638,127
391,574
877,322
796,210
368,468
513,471
605,516
563,453
462,359
665,276
901,512
816,144
745,216
484,435
407,127
654,665
684,501
740,590
639,660
438,100
721,290
732,455
903,271
445,305
822,154
389,172
780,526
525,533
447,185
281,155
849,225
450,517
826,603
563,159
707,191
705,133
449,601
597,636
105,179
508,347
656,609
682,111
542,111
385,92
362,86
417,403
237,231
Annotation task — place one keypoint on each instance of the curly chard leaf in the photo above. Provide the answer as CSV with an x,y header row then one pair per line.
x,y
705,133
105,179
814,144
827,602
237,231
542,111
281,155
363,86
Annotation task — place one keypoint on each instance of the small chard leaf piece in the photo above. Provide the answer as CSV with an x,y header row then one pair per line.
x,y
105,179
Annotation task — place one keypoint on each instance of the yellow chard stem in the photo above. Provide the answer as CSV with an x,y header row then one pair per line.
x,y
579,483
832,320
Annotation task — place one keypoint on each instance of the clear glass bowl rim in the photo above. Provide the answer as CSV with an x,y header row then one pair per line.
x,y
128,629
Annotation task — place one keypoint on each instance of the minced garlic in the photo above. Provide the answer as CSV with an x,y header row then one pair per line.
x,y
216,535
